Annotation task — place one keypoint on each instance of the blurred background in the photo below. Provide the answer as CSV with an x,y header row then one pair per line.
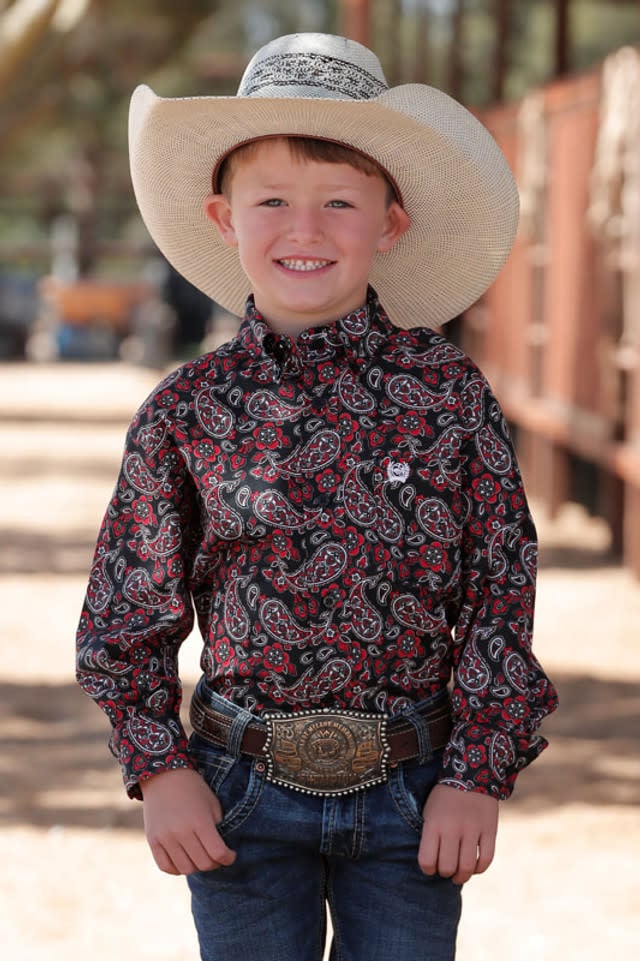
x,y
557,84
91,317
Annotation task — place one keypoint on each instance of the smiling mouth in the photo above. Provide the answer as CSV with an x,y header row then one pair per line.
x,y
304,266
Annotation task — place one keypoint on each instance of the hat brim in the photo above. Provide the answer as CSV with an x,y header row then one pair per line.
x,y
455,184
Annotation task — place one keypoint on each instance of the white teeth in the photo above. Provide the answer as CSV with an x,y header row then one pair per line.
x,y
304,264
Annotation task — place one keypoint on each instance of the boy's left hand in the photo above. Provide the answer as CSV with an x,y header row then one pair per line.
x,y
459,833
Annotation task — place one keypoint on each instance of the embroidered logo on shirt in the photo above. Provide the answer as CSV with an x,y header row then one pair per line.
x,y
397,471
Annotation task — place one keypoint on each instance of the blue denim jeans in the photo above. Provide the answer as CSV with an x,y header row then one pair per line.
x,y
297,853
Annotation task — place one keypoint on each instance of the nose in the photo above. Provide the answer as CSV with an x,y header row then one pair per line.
x,y
305,226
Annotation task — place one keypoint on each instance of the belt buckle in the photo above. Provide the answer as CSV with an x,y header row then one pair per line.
x,y
325,752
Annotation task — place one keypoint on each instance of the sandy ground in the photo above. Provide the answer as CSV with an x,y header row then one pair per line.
x,y
76,881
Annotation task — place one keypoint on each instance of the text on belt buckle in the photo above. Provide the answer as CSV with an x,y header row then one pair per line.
x,y
326,752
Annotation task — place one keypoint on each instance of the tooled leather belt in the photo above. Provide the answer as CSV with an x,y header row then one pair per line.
x,y
325,752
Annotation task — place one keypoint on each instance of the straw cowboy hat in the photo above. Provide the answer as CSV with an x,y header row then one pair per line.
x,y
451,176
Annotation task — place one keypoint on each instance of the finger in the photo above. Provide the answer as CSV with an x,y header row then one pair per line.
x,y
467,861
161,857
179,862
448,856
486,852
170,860
428,852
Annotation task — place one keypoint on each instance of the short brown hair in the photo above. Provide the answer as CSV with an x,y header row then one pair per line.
x,y
305,149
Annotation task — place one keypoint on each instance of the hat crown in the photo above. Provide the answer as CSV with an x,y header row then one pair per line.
x,y
314,65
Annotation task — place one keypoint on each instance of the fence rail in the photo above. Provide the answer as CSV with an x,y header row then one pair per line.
x,y
558,334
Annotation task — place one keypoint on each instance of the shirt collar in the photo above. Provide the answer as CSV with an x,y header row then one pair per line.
x,y
356,336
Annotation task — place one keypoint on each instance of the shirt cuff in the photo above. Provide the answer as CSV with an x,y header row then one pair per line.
x,y
487,760
145,747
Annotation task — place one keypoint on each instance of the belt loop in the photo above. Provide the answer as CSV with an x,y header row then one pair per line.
x,y
421,725
239,725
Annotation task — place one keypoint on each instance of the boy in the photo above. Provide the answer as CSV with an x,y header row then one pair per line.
x,y
335,493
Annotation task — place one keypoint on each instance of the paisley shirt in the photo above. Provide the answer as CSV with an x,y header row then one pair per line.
x,y
346,516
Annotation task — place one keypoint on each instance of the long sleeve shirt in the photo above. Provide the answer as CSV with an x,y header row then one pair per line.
x,y
344,515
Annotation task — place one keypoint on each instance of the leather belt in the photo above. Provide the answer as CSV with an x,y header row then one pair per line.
x,y
325,752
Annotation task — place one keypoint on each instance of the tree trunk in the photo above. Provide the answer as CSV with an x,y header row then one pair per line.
x,y
456,70
422,44
562,38
501,61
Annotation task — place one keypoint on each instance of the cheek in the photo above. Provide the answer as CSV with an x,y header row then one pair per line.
x,y
249,236
369,234
255,231
253,246
369,240
356,237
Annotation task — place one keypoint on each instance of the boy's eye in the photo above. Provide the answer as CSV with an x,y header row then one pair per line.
x,y
272,202
338,203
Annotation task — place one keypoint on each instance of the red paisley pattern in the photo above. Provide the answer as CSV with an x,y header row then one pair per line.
x,y
345,514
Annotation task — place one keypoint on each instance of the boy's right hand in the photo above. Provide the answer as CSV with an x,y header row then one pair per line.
x,y
181,814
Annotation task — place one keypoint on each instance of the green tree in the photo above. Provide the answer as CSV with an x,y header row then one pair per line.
x,y
67,87
63,108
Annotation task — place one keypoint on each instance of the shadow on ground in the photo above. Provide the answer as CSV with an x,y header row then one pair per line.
x,y
55,768
42,553
594,746
578,559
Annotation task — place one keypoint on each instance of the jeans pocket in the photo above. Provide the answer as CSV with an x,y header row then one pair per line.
x,y
410,785
234,781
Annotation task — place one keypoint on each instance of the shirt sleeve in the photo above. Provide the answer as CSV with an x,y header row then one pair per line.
x,y
500,693
138,607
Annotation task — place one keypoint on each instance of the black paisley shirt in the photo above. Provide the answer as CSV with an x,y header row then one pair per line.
x,y
345,514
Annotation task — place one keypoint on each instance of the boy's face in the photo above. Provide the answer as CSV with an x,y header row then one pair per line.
x,y
307,233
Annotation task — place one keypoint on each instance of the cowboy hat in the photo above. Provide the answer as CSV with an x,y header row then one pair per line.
x,y
452,179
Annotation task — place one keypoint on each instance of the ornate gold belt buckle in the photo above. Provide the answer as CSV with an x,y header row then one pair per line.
x,y
326,752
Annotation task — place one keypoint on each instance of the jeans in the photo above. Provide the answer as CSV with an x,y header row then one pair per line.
x,y
297,853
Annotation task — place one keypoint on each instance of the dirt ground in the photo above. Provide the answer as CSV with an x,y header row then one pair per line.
x,y
76,881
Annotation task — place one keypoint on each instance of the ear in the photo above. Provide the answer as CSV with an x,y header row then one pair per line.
x,y
397,222
218,210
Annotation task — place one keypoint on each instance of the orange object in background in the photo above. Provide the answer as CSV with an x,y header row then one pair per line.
x,y
91,301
